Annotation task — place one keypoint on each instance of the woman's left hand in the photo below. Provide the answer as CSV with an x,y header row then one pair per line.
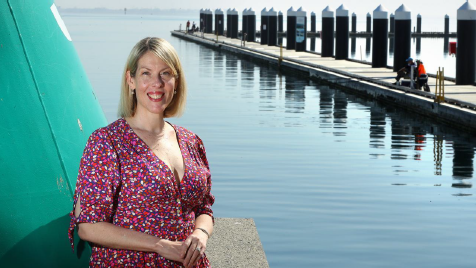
x,y
193,248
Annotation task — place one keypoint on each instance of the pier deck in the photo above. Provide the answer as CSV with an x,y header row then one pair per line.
x,y
459,108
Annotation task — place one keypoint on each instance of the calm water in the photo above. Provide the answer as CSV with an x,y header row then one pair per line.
x,y
331,179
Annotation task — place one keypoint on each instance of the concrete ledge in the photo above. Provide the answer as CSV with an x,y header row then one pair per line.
x,y
235,243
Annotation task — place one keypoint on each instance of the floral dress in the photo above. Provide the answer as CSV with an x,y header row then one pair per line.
x,y
123,182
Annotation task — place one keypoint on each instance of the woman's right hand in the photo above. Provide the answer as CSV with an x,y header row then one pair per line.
x,y
170,250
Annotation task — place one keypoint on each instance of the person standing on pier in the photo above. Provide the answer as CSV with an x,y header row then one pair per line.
x,y
188,26
143,191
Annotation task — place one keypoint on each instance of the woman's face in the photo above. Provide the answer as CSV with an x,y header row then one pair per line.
x,y
154,84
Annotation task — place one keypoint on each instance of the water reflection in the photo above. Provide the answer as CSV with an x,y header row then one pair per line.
x,y
391,42
446,43
352,46
462,160
205,56
395,134
325,107
313,44
367,46
418,46
294,94
377,126
339,113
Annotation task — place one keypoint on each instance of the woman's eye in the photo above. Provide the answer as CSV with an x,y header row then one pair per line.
x,y
145,73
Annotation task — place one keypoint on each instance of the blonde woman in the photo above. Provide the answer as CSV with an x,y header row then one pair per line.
x,y
143,191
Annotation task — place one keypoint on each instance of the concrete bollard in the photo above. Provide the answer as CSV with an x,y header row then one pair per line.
x,y
403,28
301,29
244,25
313,22
219,22
418,23
251,26
280,22
327,33
264,27
392,23
466,38
209,27
228,23
291,29
369,23
272,27
447,25
234,23
380,37
342,33
354,23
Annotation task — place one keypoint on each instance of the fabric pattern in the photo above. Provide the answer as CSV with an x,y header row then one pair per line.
x,y
122,181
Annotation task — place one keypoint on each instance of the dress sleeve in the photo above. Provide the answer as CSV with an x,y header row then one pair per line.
x,y
205,206
97,182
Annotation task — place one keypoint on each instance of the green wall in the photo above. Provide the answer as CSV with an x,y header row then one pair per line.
x,y
47,112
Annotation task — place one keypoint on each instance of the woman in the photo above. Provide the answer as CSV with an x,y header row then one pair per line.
x,y
143,190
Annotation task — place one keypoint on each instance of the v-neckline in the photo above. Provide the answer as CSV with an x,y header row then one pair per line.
x,y
151,153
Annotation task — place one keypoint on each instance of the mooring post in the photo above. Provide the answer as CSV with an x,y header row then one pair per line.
x,y
327,33
403,30
380,37
342,33
466,42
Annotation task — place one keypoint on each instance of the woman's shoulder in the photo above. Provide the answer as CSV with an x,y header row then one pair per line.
x,y
110,131
186,134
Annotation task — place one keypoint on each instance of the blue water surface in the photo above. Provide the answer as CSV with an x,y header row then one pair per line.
x,y
330,178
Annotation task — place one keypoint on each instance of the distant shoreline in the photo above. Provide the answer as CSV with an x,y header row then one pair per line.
x,y
132,11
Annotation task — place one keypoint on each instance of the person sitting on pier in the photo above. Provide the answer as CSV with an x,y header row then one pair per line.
x,y
405,71
422,78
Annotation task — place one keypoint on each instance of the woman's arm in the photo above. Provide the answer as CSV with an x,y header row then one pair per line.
x,y
197,239
112,236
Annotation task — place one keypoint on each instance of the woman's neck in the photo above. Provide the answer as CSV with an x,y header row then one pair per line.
x,y
149,122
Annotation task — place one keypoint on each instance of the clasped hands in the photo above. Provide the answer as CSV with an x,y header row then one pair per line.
x,y
187,252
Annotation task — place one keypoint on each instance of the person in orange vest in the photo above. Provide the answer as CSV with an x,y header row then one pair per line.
x,y
188,26
422,76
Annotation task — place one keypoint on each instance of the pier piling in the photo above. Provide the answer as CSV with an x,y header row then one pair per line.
x,y
380,37
272,27
209,21
301,29
264,27
342,33
418,24
465,50
392,23
403,28
313,22
447,25
291,29
369,23
234,23
327,33
354,23
219,22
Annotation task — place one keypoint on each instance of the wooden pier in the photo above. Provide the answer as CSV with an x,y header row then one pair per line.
x,y
458,108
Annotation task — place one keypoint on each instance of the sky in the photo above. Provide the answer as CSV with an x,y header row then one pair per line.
x,y
434,10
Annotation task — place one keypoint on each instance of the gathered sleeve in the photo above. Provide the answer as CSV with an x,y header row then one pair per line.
x,y
98,182
205,206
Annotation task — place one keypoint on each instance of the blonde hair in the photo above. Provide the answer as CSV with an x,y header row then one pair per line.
x,y
165,52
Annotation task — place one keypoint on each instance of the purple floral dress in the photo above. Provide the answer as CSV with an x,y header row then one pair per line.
x,y
123,182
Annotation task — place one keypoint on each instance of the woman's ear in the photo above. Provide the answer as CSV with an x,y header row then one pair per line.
x,y
130,80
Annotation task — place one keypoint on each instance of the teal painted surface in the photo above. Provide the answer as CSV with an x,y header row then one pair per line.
x,y
47,112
